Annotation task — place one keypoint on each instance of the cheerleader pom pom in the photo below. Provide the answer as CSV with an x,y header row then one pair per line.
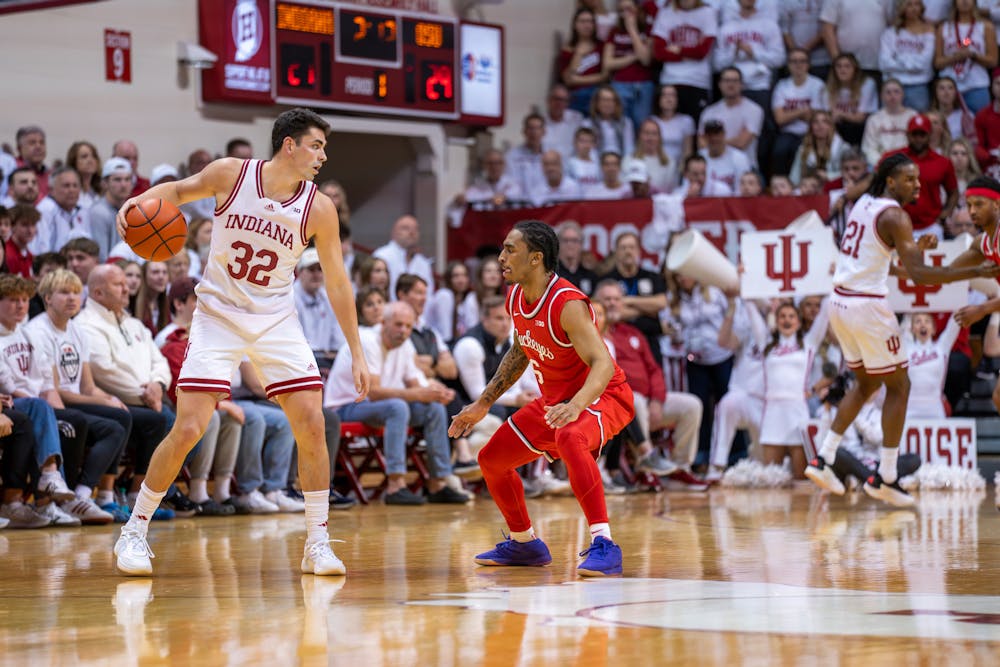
x,y
749,474
943,477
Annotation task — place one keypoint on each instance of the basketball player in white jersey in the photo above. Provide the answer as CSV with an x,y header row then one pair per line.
x,y
266,213
866,327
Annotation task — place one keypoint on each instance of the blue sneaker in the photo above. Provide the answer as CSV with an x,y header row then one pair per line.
x,y
512,552
604,559
163,514
121,513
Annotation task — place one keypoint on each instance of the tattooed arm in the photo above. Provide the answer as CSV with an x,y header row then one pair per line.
x,y
511,368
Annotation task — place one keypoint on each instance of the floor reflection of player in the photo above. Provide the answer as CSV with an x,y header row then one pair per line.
x,y
866,327
585,401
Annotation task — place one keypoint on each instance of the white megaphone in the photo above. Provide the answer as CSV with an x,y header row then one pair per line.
x,y
694,256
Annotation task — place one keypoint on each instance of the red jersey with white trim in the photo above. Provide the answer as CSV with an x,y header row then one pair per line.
x,y
558,368
863,262
991,247
256,243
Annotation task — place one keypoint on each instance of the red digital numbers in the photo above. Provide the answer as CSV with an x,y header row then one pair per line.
x,y
438,83
243,269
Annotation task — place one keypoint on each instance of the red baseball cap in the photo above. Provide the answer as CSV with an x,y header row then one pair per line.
x,y
919,123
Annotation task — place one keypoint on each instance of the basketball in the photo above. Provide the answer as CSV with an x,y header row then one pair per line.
x,y
156,229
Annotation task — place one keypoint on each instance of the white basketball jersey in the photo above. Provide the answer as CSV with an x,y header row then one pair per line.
x,y
256,243
863,262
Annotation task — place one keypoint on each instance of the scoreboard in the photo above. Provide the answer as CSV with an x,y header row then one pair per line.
x,y
352,57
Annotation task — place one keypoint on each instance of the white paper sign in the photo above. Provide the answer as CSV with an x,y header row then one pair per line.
x,y
905,296
787,263
948,441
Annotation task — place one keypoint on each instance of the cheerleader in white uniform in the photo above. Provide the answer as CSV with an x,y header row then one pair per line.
x,y
744,331
787,362
928,366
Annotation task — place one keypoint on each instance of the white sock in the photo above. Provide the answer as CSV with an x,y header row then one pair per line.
x,y
600,530
105,496
829,449
146,503
198,490
887,464
222,493
83,492
523,535
317,513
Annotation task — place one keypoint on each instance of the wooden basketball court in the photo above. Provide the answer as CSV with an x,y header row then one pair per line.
x,y
731,577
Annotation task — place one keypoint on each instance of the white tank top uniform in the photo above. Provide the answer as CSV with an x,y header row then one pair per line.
x,y
786,378
246,303
928,367
865,326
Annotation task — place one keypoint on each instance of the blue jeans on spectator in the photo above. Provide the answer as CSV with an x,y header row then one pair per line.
x,y
637,100
917,96
45,428
579,99
266,447
395,414
976,99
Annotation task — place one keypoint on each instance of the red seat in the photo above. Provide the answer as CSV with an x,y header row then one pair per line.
x,y
361,452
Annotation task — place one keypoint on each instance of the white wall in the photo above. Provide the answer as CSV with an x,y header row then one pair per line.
x,y
53,74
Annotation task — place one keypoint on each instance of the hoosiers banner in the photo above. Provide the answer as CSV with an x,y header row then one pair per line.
x,y
786,264
905,296
720,219
948,441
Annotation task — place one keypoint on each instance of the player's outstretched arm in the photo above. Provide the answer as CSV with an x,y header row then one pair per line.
x,y
511,368
218,178
325,227
586,340
895,224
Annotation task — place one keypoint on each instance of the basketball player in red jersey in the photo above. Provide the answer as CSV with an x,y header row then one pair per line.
x,y
983,197
866,327
266,213
585,401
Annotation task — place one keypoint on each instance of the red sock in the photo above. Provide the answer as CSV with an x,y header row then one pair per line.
x,y
498,461
584,476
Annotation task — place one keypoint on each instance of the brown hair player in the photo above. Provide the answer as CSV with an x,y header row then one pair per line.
x,y
585,401
266,213
866,327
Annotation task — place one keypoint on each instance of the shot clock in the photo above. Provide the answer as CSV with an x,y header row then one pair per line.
x,y
335,55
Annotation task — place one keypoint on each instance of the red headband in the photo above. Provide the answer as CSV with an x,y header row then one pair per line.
x,y
982,192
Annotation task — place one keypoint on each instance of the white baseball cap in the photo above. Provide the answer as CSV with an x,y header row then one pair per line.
x,y
114,164
310,257
636,172
162,171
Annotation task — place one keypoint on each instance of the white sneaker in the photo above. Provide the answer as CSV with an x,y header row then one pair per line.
x,y
553,486
714,474
133,553
255,503
284,503
3,522
22,515
820,472
53,484
87,511
56,516
320,559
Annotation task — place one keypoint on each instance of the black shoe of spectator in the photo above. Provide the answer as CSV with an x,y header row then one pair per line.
x,y
295,494
448,495
180,504
339,501
404,497
238,509
212,508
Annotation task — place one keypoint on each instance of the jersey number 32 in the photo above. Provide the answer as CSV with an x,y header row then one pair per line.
x,y
254,273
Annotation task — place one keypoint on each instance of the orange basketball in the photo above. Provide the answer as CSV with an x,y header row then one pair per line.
x,y
156,229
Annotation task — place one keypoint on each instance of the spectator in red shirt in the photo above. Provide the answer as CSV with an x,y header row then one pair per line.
x,y
936,172
580,62
24,226
988,131
126,149
31,153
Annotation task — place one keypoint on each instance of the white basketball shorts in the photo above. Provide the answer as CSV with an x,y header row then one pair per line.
x,y
281,356
868,332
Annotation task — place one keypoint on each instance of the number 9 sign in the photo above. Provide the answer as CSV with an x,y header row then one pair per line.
x,y
118,56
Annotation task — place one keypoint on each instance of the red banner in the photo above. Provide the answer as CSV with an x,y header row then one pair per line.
x,y
117,55
239,33
720,219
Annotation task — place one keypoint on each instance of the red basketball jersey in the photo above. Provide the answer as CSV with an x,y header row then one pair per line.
x,y
991,248
558,368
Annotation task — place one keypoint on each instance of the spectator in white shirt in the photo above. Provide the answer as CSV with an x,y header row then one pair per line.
x,y
885,130
400,395
62,216
793,102
524,162
402,254
696,183
724,163
907,54
676,129
583,166
855,26
315,314
850,96
741,117
561,122
613,129
683,35
661,170
493,185
557,186
800,26
611,185
752,43
116,179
